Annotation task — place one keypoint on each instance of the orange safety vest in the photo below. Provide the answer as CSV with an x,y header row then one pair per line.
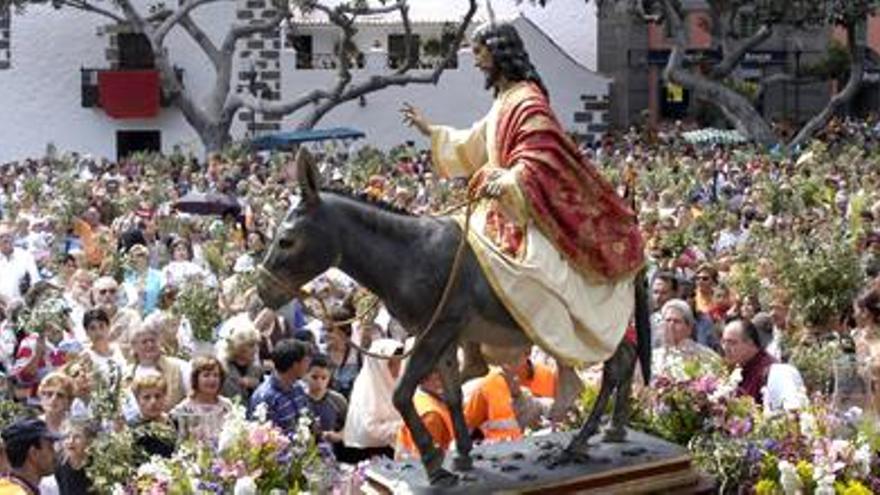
x,y
491,409
426,404
543,381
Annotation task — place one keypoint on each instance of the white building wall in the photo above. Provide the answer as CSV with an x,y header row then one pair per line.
x,y
41,91
458,100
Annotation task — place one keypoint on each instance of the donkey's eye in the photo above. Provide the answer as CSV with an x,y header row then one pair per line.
x,y
285,243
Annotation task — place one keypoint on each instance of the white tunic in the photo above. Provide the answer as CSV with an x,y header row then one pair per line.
x,y
576,320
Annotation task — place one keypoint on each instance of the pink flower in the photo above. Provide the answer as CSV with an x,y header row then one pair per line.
x,y
705,384
227,470
739,427
258,437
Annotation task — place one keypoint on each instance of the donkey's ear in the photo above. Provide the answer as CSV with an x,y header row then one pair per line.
x,y
307,176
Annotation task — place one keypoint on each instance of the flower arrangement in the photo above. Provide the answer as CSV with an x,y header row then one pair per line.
x,y
816,450
272,459
813,451
249,457
691,400
199,304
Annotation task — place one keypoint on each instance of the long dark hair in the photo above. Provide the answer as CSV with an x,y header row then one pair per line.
x,y
509,54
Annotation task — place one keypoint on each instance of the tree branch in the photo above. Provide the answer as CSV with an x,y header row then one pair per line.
x,y
718,29
224,101
177,16
732,59
856,75
203,40
789,78
676,56
239,31
242,100
135,18
346,24
87,7
376,83
736,107
408,58
783,78
354,10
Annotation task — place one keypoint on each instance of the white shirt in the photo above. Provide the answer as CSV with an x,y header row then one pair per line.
x,y
14,268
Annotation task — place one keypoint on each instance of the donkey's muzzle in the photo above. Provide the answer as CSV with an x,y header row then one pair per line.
x,y
273,290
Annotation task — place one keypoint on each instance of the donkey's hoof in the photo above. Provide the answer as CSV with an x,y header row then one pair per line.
x,y
442,478
614,435
462,463
575,453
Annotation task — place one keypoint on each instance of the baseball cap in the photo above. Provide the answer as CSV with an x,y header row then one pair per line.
x,y
28,430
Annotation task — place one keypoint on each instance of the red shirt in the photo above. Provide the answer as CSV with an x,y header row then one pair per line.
x,y
754,375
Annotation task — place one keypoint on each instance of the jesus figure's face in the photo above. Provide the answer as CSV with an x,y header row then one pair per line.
x,y
484,61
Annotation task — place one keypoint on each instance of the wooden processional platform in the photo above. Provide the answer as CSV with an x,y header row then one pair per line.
x,y
643,464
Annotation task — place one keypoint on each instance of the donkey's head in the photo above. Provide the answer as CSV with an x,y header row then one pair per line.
x,y
305,243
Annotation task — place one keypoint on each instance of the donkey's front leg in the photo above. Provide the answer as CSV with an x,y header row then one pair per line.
x,y
422,361
450,375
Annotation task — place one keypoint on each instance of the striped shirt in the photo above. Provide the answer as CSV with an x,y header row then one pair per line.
x,y
283,405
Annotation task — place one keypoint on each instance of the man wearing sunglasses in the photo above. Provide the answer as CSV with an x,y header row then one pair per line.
x,y
105,296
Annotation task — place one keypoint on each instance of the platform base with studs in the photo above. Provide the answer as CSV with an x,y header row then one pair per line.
x,y
642,464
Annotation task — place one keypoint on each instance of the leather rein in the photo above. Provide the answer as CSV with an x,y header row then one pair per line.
x,y
298,292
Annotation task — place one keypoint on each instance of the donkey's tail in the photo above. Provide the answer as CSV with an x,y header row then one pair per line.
x,y
643,325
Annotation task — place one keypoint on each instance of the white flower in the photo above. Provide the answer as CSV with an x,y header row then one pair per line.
x,y
862,460
727,387
808,424
245,486
261,412
736,377
788,477
853,414
234,426
154,469
825,485
303,428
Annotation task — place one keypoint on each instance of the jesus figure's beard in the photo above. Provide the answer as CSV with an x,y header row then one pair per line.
x,y
492,78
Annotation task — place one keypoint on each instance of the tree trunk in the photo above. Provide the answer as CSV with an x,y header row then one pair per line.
x,y
856,75
214,137
736,107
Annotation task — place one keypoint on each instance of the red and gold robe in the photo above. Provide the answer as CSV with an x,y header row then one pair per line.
x,y
560,249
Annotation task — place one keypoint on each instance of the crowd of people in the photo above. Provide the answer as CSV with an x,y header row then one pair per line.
x,y
97,256
95,340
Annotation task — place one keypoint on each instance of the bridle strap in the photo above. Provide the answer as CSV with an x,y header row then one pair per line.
x,y
298,292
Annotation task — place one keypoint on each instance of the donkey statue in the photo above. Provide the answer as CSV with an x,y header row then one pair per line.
x,y
406,261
